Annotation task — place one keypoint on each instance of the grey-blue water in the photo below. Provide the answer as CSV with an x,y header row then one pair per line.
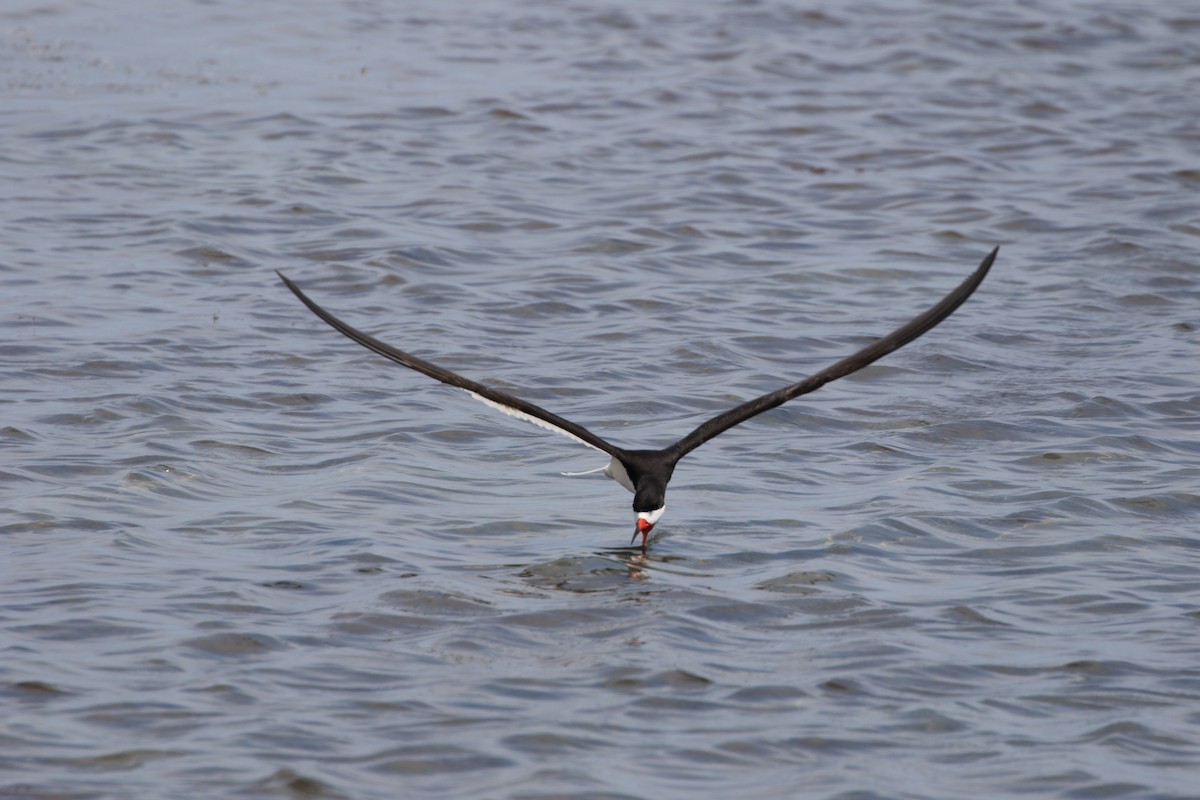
x,y
243,557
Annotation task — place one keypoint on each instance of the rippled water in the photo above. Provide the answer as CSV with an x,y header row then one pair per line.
x,y
244,558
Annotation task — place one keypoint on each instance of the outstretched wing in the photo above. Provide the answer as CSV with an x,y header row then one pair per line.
x,y
502,401
872,352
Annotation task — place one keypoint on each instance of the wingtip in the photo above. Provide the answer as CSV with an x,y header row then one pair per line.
x,y
288,283
987,262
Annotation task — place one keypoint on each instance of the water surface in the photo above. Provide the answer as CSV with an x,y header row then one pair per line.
x,y
243,557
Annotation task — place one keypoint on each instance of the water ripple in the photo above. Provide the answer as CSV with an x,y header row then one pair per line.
x,y
245,557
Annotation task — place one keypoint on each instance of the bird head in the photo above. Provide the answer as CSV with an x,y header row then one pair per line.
x,y
648,506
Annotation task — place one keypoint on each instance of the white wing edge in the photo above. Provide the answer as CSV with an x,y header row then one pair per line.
x,y
541,423
585,472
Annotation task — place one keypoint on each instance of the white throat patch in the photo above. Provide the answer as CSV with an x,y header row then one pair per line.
x,y
652,516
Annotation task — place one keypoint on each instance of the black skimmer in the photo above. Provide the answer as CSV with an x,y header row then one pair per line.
x,y
646,473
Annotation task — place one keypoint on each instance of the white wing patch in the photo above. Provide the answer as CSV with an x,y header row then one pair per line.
x,y
616,471
613,469
541,423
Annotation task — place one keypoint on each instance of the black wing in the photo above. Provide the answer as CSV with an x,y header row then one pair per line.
x,y
503,401
872,352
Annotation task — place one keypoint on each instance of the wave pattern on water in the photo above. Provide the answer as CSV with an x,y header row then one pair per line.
x,y
243,557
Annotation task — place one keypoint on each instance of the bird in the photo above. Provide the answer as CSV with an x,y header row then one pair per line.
x,y
646,472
